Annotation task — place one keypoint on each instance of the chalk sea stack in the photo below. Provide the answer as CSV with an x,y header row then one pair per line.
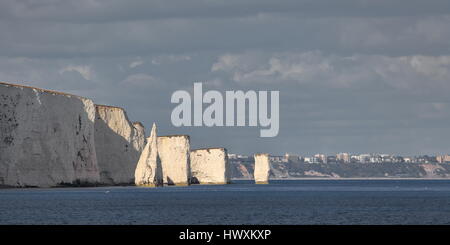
x,y
46,138
174,151
262,168
149,170
210,166
118,144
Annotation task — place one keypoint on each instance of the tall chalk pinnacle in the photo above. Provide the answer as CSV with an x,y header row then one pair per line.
x,y
148,170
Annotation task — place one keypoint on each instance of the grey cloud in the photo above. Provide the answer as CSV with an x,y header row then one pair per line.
x,y
387,35
84,71
414,73
116,10
353,75
142,80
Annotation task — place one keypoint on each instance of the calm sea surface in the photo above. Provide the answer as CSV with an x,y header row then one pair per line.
x,y
281,202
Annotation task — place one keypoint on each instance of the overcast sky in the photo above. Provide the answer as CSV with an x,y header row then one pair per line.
x,y
354,76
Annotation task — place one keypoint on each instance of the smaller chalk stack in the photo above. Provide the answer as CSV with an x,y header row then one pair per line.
x,y
174,152
149,171
209,166
262,168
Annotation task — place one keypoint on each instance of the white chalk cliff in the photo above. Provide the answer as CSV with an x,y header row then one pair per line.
x,y
118,144
210,166
262,168
46,138
148,170
174,154
50,138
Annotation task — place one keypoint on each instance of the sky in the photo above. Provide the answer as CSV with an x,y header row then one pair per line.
x,y
354,76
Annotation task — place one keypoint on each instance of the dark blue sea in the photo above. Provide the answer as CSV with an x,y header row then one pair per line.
x,y
281,202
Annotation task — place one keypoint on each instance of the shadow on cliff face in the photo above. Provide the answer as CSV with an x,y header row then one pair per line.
x,y
117,157
194,180
170,181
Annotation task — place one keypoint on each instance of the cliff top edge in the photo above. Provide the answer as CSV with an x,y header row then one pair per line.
x,y
210,148
174,135
41,90
109,106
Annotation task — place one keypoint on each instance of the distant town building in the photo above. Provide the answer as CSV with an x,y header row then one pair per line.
x,y
398,159
279,159
237,156
354,158
232,156
346,158
316,160
331,159
343,157
321,158
425,159
364,158
443,159
292,157
375,158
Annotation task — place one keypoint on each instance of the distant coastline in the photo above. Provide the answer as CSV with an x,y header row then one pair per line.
x,y
331,178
